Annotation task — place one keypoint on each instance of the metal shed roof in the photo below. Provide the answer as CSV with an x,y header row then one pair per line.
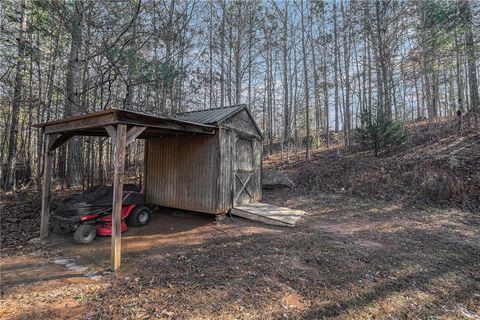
x,y
210,116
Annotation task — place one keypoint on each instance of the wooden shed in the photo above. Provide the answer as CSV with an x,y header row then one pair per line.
x,y
207,173
205,161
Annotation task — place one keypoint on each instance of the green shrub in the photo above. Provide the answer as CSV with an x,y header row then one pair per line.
x,y
380,133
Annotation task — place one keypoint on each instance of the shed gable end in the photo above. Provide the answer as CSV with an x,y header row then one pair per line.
x,y
242,121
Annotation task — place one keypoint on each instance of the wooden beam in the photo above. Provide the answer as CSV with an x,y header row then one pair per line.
x,y
137,119
119,162
148,133
97,120
47,175
59,140
242,134
79,117
112,132
81,123
52,138
133,133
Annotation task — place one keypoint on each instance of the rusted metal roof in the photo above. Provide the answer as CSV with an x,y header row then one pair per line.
x,y
211,116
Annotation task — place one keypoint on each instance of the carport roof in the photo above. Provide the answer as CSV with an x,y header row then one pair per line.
x,y
93,124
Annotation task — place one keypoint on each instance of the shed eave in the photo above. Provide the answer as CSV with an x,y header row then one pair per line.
x,y
94,123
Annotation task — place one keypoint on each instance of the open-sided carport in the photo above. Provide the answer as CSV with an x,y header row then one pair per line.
x,y
123,127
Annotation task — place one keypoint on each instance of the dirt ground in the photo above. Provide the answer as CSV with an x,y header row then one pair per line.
x,y
348,258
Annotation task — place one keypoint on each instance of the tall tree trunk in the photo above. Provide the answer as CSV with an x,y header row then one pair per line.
x,y
346,57
30,113
295,100
417,95
129,82
272,100
229,65
222,56
325,101
335,63
361,92
251,34
325,80
378,40
369,67
286,109
269,81
210,56
316,88
364,76
434,92
305,73
459,76
238,54
428,70
472,62
72,105
167,85
16,102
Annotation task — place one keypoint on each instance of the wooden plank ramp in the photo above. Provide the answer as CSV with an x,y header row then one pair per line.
x,y
268,213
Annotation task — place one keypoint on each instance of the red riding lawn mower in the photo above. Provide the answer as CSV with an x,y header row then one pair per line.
x,y
89,214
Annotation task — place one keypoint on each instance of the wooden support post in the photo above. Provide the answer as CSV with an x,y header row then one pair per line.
x,y
47,175
119,141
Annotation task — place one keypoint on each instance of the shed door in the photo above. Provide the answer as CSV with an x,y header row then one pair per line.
x,y
243,171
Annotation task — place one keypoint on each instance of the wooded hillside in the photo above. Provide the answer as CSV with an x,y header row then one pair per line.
x,y
434,167
311,72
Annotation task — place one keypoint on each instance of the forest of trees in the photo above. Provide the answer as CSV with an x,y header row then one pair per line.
x,y
308,70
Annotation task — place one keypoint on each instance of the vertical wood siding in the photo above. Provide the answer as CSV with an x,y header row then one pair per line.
x,y
257,175
225,177
181,172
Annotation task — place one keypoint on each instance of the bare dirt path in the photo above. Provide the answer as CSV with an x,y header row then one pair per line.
x,y
34,287
348,258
